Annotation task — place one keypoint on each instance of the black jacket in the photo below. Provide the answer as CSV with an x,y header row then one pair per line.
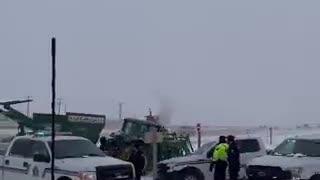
x,y
102,147
234,156
138,160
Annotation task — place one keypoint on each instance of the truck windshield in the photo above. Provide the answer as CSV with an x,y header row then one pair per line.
x,y
292,147
75,149
204,148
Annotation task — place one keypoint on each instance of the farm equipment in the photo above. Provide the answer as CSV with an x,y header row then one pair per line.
x,y
79,124
133,132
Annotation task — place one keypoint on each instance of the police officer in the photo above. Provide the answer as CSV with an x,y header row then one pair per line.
x,y
220,159
103,143
138,159
233,158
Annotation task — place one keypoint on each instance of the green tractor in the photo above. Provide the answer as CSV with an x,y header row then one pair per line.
x,y
78,124
133,132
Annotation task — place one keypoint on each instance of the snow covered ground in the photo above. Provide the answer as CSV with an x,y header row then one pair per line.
x,y
278,136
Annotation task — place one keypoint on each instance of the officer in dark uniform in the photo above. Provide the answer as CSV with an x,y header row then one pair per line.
x,y
21,130
137,158
103,143
233,158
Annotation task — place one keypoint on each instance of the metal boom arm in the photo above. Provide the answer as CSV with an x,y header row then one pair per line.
x,y
16,115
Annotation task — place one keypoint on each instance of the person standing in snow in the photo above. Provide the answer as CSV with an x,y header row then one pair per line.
x,y
137,158
220,159
233,158
103,143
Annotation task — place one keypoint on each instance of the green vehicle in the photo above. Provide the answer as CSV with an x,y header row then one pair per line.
x,y
133,131
78,124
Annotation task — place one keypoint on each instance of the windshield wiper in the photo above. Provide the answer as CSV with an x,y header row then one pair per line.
x,y
92,154
290,154
298,155
69,156
278,154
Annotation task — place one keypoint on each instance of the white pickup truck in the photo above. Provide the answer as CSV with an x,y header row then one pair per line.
x,y
294,159
197,165
76,158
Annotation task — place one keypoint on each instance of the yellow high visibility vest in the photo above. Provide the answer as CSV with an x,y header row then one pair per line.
x,y
221,152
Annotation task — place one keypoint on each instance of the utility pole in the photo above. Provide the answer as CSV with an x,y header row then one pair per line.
x,y
59,104
28,106
270,134
153,137
120,110
65,108
53,106
154,156
199,134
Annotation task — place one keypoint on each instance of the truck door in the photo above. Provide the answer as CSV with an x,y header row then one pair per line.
x,y
41,162
206,170
17,161
249,149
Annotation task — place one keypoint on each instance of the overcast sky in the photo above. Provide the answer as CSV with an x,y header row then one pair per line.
x,y
216,62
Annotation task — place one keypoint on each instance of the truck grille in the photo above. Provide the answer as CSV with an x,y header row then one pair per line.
x,y
119,172
162,169
267,172
163,174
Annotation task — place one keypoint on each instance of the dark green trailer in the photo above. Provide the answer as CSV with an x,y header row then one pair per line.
x,y
79,124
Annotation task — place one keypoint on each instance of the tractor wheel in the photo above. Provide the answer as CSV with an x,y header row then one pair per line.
x,y
191,174
316,177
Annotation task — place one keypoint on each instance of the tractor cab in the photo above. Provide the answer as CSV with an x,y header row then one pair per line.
x,y
137,128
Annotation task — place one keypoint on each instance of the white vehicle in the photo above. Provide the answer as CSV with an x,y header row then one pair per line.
x,y
197,165
76,158
295,158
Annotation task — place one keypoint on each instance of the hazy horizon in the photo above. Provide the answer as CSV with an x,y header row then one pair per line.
x,y
214,62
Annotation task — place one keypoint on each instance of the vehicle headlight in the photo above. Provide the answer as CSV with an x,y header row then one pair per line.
x,y
295,171
171,167
176,167
88,176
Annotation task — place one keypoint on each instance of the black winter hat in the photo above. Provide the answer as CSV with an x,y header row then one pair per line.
x,y
222,139
231,138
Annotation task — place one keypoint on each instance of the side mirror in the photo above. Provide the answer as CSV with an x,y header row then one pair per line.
x,y
269,151
41,158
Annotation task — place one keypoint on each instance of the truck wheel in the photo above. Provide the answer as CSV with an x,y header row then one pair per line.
x,y
191,174
316,177
64,178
